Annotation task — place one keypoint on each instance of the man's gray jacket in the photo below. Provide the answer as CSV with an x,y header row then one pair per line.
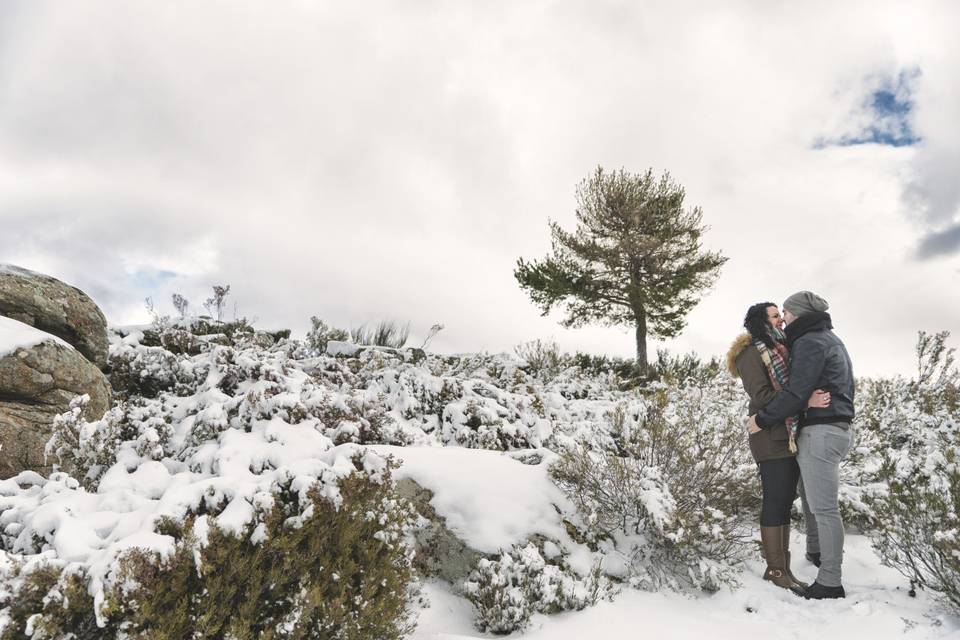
x,y
818,360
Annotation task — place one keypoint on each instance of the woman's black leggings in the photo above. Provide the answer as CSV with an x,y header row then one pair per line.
x,y
779,479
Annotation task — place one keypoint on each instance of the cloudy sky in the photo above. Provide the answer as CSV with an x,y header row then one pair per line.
x,y
366,160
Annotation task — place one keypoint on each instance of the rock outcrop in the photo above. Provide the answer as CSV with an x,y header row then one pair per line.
x,y
56,308
37,383
53,348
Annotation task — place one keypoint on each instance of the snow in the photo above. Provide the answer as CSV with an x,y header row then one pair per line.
x,y
446,616
19,271
94,528
340,348
15,334
877,606
489,499
492,500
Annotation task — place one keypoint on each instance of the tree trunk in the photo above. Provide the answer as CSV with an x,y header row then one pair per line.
x,y
641,341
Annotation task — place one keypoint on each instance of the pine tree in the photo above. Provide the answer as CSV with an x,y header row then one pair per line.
x,y
634,259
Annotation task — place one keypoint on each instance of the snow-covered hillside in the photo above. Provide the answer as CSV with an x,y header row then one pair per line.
x,y
217,425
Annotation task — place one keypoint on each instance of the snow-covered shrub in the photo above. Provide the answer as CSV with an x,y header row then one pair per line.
x,y
507,590
48,601
86,449
317,568
597,365
138,370
672,488
917,516
543,359
244,385
481,423
683,369
909,492
181,339
360,422
320,333
152,361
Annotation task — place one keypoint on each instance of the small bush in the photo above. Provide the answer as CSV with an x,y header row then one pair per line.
x,y
387,333
673,489
236,330
87,449
598,365
51,602
305,571
936,361
148,371
181,341
216,303
543,359
908,488
434,402
321,333
917,519
181,304
506,591
683,369
359,422
477,424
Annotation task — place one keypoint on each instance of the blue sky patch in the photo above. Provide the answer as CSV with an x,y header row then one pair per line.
x,y
887,111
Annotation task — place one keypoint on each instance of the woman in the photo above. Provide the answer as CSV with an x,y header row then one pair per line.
x,y
762,362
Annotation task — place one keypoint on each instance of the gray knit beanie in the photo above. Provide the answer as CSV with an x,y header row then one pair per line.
x,y
804,302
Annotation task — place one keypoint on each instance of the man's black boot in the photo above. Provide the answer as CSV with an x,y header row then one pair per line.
x,y
817,591
814,558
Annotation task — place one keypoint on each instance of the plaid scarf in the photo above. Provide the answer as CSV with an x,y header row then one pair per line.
x,y
777,361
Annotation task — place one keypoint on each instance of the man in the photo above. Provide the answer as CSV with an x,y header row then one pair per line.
x,y
818,360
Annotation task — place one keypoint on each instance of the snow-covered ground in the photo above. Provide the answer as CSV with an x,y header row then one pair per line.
x,y
233,426
878,605
492,500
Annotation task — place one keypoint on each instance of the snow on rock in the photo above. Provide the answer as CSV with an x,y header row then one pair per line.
x,y
488,499
39,376
20,271
491,500
15,334
339,348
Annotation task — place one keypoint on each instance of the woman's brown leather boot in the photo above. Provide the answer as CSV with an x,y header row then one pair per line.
x,y
772,540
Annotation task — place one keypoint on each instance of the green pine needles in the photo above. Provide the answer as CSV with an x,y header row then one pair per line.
x,y
635,258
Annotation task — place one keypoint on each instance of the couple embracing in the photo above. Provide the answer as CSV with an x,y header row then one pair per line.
x,y
800,382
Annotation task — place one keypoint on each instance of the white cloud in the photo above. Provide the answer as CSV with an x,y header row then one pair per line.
x,y
376,160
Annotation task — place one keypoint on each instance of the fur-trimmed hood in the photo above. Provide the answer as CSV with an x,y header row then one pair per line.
x,y
743,341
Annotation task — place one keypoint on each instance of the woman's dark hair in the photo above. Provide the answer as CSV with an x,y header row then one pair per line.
x,y
757,323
